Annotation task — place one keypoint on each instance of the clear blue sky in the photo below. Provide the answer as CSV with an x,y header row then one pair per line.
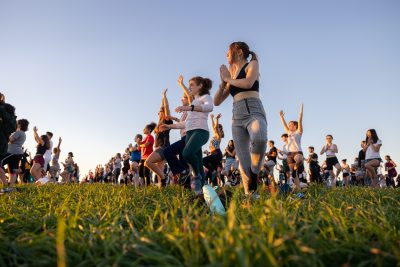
x,y
93,71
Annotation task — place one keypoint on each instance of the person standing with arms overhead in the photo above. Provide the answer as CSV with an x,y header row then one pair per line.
x,y
249,123
295,156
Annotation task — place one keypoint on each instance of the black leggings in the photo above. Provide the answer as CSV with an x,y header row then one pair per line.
x,y
144,172
117,173
212,162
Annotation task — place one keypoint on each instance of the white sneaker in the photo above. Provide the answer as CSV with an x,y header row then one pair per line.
x,y
43,180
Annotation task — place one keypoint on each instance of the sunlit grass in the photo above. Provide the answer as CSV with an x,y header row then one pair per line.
x,y
104,225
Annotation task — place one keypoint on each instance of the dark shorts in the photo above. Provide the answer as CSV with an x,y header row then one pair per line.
x,y
39,160
346,175
330,162
285,166
160,151
12,161
292,155
368,160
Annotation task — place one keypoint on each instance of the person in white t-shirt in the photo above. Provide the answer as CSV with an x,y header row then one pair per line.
x,y
372,157
47,155
295,156
330,150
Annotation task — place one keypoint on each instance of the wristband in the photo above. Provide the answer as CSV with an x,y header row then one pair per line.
x,y
192,107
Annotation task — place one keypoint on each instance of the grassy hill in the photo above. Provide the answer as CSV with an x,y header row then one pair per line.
x,y
106,225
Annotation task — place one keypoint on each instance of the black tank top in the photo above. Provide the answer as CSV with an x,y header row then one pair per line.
x,y
40,150
242,75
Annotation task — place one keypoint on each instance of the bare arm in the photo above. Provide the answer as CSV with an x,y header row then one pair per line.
x,y
282,116
11,139
251,77
376,147
36,136
216,127
166,104
213,123
58,146
335,149
323,150
185,89
300,129
394,164
221,95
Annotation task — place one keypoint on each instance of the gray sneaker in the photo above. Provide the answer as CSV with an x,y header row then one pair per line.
x,y
7,190
198,185
253,196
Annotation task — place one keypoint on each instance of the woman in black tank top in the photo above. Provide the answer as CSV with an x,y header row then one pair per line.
x,y
233,90
43,144
156,161
249,124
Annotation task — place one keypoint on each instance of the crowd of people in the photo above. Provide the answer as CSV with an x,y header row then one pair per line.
x,y
17,165
153,160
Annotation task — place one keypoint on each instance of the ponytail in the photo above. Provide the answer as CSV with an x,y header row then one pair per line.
x,y
206,84
253,56
151,126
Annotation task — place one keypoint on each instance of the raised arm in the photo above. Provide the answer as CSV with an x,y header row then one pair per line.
x,y
58,146
36,136
185,89
245,83
215,124
300,128
282,116
166,104
217,129
212,122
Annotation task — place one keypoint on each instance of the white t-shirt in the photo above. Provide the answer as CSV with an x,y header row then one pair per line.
x,y
294,141
371,153
182,120
48,153
199,120
285,151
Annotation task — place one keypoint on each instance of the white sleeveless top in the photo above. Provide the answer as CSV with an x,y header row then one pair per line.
x,y
330,153
294,142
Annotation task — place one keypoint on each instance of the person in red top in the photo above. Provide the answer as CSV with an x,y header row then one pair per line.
x,y
390,167
146,147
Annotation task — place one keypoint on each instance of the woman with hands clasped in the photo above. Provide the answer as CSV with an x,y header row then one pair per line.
x,y
249,123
